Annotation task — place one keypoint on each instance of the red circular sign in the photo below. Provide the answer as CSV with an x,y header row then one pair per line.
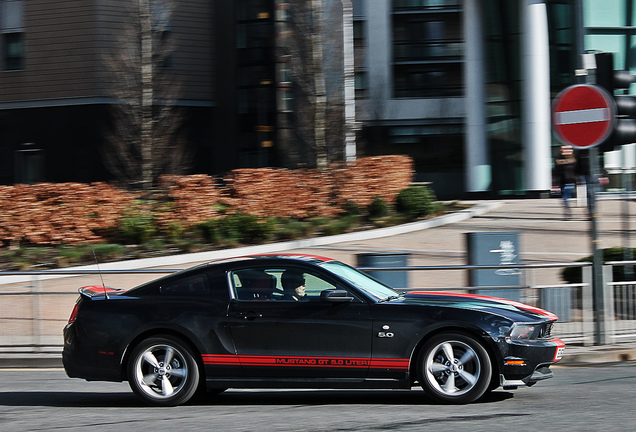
x,y
583,116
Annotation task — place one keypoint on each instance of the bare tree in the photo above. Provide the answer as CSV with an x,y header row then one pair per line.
x,y
348,91
144,141
301,46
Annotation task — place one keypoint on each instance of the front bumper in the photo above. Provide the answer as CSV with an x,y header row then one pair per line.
x,y
528,362
539,374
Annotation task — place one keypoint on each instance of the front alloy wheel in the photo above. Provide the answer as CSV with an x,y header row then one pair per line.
x,y
162,371
454,368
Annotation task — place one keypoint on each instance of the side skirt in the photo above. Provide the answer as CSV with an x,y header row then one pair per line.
x,y
309,383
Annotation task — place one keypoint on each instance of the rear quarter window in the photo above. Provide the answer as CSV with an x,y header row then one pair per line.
x,y
196,285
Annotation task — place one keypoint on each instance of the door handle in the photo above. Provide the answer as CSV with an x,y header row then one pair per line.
x,y
249,315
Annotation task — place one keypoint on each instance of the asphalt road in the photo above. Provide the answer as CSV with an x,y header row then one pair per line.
x,y
591,398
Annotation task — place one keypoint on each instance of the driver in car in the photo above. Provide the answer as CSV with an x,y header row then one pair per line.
x,y
293,283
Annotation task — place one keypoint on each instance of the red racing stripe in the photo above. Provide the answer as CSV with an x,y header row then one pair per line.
x,y
298,361
517,304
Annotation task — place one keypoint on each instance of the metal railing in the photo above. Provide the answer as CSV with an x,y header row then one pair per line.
x,y
573,303
620,303
33,315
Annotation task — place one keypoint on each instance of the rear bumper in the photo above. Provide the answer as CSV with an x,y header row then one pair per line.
x,y
79,363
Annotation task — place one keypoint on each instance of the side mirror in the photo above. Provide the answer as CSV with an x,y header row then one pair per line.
x,y
336,296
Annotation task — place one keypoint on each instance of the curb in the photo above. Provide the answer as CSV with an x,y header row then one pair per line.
x,y
31,361
581,356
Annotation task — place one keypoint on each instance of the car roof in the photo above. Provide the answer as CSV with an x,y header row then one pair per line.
x,y
224,263
313,259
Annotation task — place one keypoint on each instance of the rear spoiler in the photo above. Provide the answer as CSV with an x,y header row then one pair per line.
x,y
98,291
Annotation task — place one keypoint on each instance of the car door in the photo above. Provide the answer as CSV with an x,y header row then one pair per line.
x,y
280,337
196,304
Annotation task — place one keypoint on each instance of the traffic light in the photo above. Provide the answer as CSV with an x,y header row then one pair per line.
x,y
617,81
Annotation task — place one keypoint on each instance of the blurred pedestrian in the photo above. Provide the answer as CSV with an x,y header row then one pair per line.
x,y
565,167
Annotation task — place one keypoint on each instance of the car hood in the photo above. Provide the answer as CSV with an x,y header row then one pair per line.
x,y
478,302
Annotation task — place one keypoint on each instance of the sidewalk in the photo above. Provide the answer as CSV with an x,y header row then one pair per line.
x,y
545,238
573,356
582,356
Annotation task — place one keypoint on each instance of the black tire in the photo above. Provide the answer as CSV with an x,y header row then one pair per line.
x,y
162,371
454,368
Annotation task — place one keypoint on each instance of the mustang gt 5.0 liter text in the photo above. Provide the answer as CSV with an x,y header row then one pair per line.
x,y
295,321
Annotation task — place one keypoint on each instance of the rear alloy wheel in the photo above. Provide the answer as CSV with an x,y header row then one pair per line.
x,y
454,368
162,371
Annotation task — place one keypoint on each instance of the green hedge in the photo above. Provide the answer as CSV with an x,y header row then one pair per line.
x,y
415,202
574,274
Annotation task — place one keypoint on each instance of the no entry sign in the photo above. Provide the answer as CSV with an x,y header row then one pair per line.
x,y
583,116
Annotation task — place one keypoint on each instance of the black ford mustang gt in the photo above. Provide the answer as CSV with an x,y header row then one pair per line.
x,y
302,321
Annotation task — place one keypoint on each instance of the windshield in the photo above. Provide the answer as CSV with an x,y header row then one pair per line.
x,y
361,280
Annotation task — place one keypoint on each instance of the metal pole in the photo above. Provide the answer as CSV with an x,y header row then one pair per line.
x,y
597,258
587,307
36,314
627,251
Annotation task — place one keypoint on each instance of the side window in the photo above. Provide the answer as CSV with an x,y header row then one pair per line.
x,y
314,285
277,284
190,286
298,285
253,284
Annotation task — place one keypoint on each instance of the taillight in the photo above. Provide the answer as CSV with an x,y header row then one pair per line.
x,y
73,316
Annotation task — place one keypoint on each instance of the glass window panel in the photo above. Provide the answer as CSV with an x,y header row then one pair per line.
x,y
604,13
11,15
419,37
13,51
427,80
358,29
425,4
561,15
631,60
254,35
608,43
253,9
423,143
359,8
30,166
286,100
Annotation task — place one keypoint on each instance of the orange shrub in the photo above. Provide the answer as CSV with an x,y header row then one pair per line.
x,y
56,213
71,213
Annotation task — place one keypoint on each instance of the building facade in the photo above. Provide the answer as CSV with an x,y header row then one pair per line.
x,y
54,85
463,86
611,27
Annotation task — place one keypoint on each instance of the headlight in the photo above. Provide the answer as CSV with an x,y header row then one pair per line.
x,y
522,331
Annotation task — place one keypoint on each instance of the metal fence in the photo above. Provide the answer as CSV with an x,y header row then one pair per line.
x,y
34,311
620,303
35,306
